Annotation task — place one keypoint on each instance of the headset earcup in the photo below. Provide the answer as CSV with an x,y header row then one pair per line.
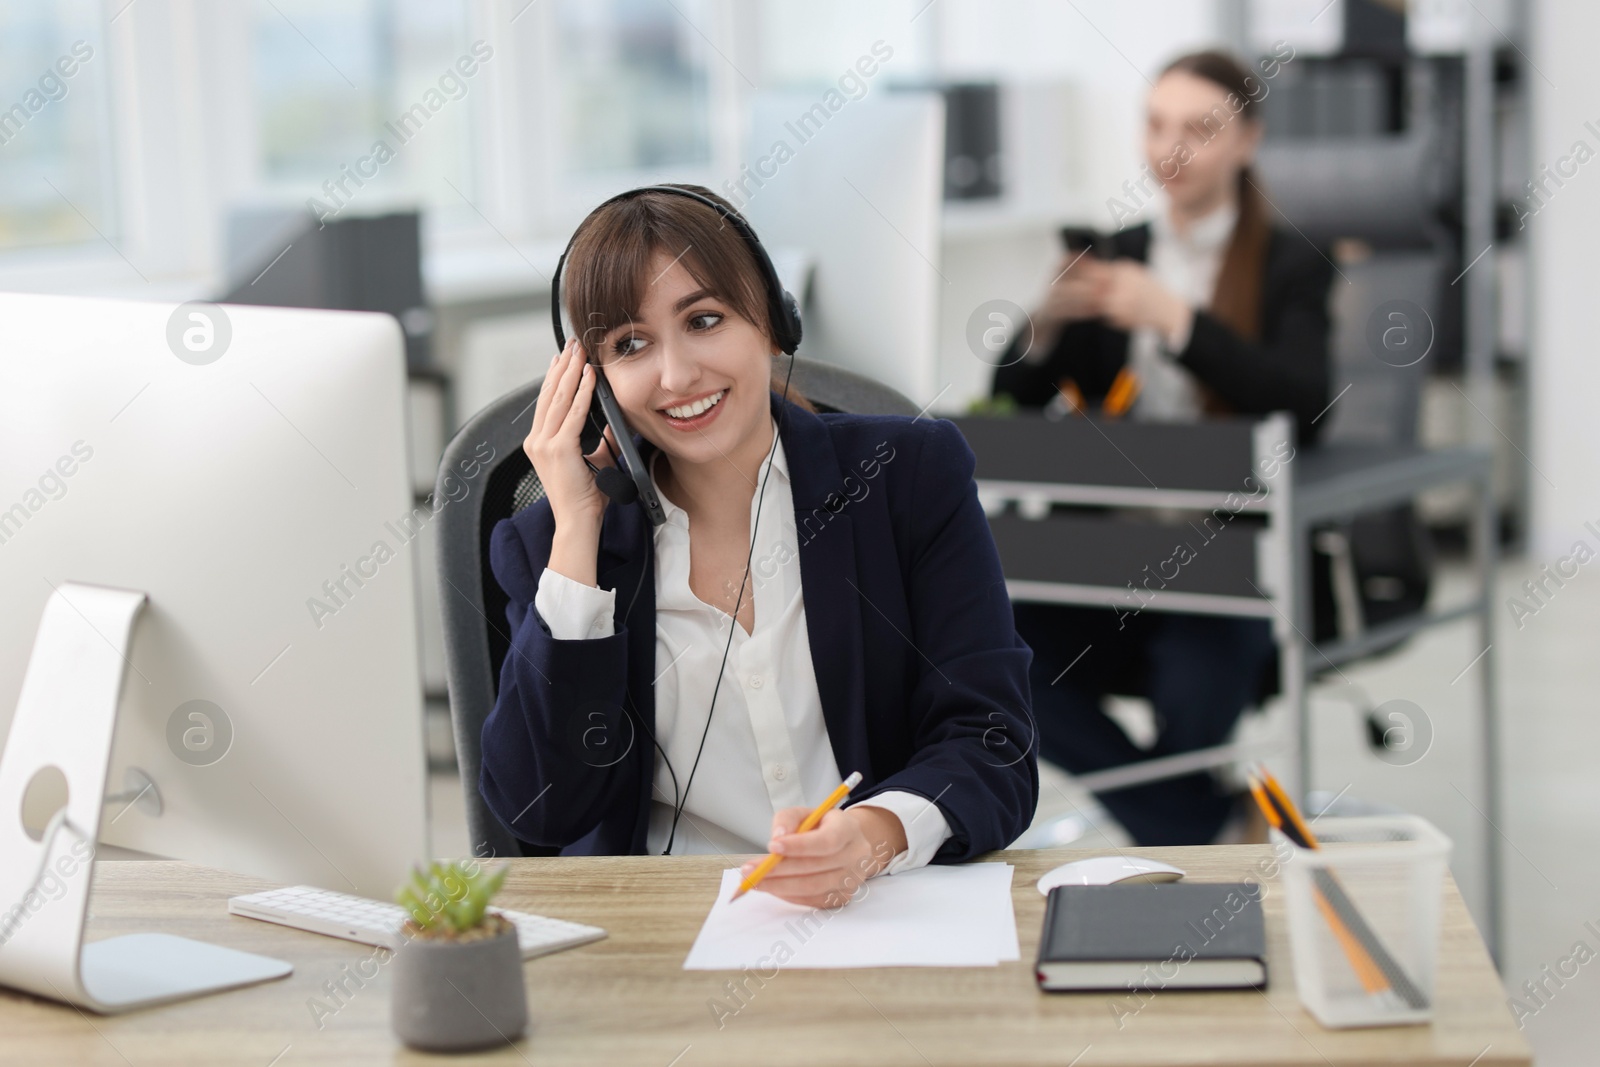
x,y
791,325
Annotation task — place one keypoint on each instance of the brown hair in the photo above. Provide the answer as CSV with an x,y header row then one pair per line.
x,y
608,268
1237,298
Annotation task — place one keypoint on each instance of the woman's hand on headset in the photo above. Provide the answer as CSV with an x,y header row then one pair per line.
x,y
552,446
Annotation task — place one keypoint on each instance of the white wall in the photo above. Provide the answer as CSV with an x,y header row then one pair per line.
x,y
1075,78
1107,49
1564,240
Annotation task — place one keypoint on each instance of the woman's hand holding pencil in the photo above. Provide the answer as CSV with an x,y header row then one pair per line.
x,y
818,857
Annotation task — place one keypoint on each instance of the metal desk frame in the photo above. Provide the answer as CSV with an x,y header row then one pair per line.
x,y
1319,484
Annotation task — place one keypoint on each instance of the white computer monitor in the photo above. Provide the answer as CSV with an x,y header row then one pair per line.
x,y
859,190
247,469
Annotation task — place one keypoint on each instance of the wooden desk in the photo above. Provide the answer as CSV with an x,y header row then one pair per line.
x,y
627,999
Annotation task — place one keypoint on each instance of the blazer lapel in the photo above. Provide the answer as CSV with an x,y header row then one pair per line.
x,y
625,543
626,548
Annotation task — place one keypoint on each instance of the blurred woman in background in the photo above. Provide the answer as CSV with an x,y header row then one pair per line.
x,y
1207,309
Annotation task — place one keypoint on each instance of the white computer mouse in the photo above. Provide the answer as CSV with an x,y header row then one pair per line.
x,y
1104,870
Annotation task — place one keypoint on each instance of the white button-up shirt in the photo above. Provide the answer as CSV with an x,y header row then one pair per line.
x,y
767,746
1187,265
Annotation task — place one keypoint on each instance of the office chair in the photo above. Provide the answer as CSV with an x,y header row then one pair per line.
x,y
1379,565
476,634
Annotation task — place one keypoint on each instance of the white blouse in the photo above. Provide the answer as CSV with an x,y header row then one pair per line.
x,y
1187,265
767,747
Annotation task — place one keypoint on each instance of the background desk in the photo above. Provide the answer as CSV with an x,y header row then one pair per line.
x,y
1097,554
627,1000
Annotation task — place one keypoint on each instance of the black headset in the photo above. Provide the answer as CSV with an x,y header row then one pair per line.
x,y
783,312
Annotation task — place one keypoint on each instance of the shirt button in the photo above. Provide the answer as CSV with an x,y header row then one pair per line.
x,y
779,772
755,681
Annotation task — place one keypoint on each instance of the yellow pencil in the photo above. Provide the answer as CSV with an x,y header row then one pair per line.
x,y
809,823
1123,392
1366,969
1308,839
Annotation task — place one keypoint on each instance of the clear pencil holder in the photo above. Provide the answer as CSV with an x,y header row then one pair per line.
x,y
1364,917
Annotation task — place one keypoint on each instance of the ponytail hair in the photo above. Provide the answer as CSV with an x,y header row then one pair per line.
x,y
1236,301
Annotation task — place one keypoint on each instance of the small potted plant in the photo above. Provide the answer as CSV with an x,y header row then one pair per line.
x,y
458,974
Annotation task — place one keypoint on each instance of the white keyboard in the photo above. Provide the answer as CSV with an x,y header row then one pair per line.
x,y
373,922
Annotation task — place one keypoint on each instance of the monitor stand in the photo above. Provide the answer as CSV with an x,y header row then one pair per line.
x,y
65,719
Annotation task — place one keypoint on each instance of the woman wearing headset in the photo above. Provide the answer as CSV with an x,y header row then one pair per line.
x,y
824,596
1207,309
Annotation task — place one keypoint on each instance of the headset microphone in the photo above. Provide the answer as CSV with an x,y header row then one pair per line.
x,y
616,485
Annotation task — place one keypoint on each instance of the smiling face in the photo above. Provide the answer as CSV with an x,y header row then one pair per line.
x,y
1197,138
689,372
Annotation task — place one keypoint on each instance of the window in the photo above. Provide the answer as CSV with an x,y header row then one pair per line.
x,y
55,133
176,117
334,81
632,84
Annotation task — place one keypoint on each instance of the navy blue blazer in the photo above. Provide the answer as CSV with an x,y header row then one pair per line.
x,y
923,679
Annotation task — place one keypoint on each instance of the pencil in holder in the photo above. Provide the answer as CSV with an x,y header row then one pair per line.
x,y
1364,919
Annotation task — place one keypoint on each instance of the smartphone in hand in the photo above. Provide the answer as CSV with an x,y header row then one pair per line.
x,y
1080,239
604,412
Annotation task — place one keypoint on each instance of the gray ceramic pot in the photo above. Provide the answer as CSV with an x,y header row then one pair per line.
x,y
455,996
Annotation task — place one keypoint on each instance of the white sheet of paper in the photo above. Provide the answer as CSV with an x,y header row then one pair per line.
x,y
1006,932
934,916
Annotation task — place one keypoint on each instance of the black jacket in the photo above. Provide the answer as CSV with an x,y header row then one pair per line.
x,y
1286,370
923,679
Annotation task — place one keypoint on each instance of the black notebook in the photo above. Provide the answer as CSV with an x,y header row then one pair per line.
x,y
1172,935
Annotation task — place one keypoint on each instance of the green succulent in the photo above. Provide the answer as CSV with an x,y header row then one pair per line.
x,y
1000,405
449,896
